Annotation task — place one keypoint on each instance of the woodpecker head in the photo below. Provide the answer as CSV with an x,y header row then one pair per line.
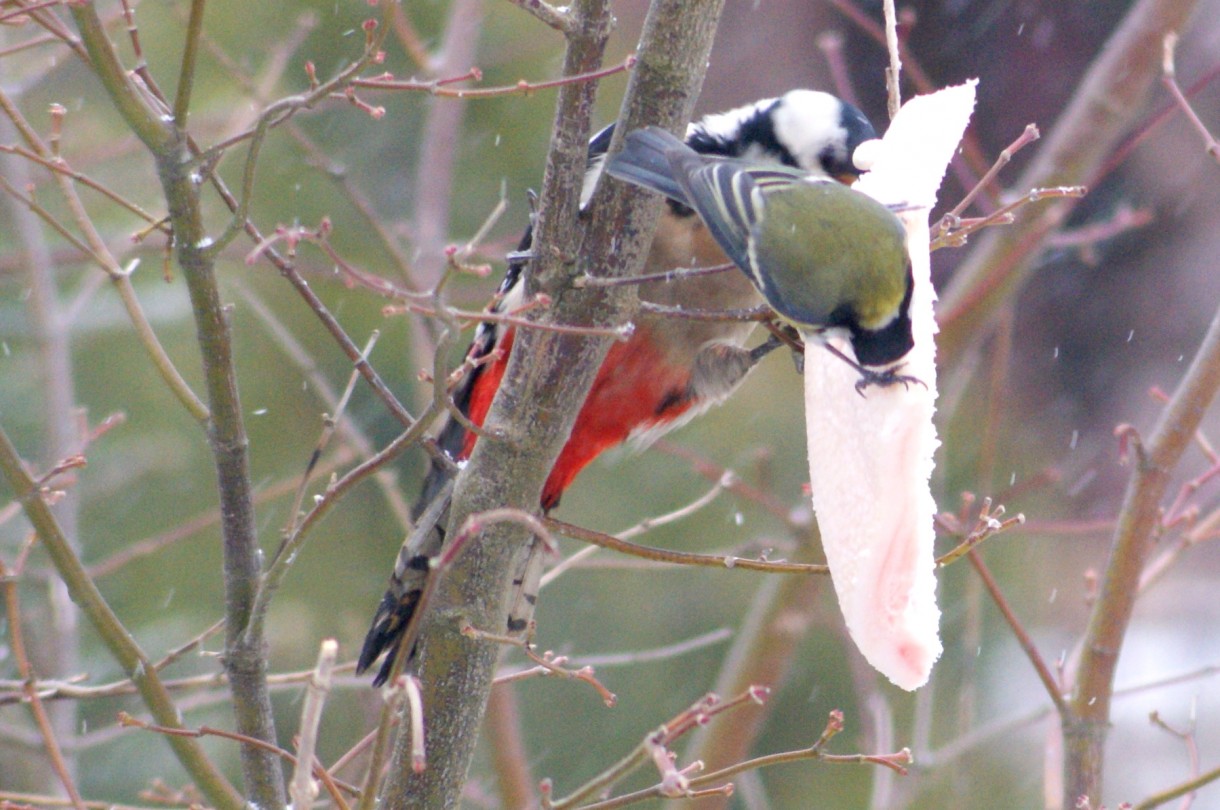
x,y
805,129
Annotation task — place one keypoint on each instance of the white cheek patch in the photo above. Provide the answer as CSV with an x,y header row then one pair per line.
x,y
870,458
806,123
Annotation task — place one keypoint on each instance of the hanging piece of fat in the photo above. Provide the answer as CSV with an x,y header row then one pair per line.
x,y
870,458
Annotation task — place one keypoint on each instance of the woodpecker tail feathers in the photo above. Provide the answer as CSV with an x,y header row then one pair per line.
x,y
395,624
645,161
392,623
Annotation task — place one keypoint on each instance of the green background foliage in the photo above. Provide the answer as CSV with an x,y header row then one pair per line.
x,y
1088,337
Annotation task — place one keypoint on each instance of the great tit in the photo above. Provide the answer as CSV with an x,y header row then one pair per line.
x,y
826,257
670,370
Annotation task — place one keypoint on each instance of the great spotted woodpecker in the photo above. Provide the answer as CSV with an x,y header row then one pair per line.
x,y
670,370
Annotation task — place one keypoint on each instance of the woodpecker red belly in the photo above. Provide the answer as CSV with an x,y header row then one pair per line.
x,y
635,390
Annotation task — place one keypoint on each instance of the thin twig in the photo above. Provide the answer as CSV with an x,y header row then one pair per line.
x,y
440,88
390,712
1053,689
415,706
727,478
58,164
1027,136
548,663
193,525
270,581
1188,737
677,274
953,233
16,800
69,690
680,557
57,29
190,53
896,761
301,786
663,653
330,424
16,634
12,17
1169,77
893,73
759,313
620,333
1178,791
988,524
698,714
711,471
111,631
175,732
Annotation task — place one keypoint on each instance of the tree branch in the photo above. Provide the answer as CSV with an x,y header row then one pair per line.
x,y
1085,729
111,631
548,374
1107,102
245,656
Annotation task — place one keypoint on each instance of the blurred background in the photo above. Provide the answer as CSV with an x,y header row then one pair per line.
x,y
1110,313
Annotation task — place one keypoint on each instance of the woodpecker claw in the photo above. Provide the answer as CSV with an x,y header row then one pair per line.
x,y
763,349
782,335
